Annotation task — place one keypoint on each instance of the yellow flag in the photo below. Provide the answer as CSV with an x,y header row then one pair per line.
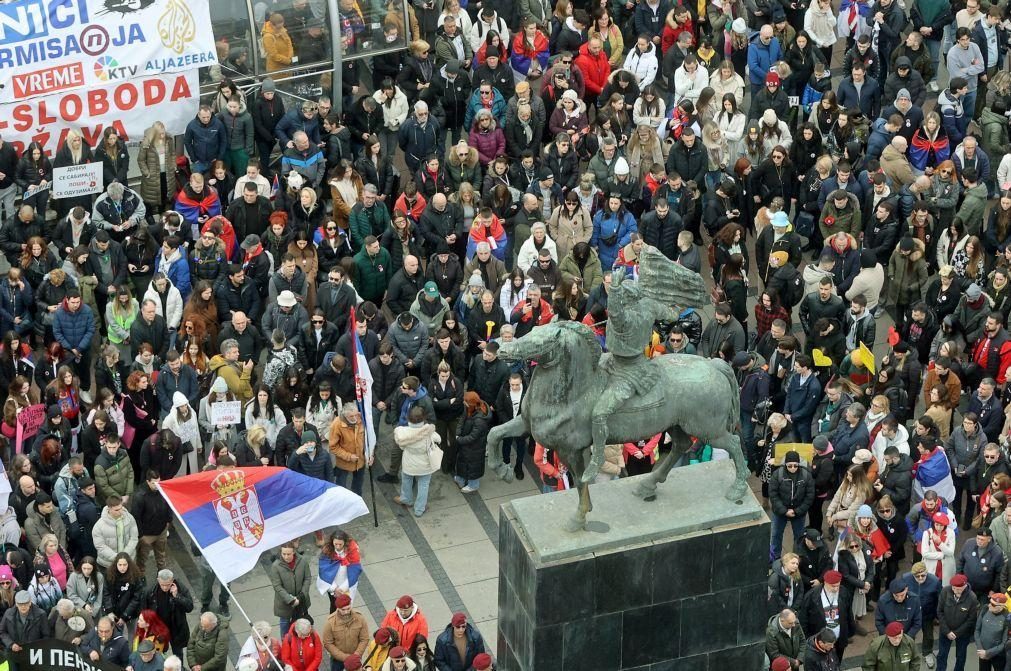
x,y
820,360
867,357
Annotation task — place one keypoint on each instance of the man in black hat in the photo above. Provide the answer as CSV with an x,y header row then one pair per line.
x,y
791,493
814,558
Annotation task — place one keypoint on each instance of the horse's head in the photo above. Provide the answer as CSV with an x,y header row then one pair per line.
x,y
552,343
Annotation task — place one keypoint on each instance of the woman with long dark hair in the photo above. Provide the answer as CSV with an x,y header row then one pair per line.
x,y
19,396
376,168
124,590
65,393
33,174
261,411
140,249
824,113
997,235
16,358
86,586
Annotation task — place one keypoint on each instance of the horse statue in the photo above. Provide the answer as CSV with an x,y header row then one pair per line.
x,y
693,396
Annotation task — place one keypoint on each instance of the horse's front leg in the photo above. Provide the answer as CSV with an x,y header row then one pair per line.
x,y
514,428
732,444
646,489
578,521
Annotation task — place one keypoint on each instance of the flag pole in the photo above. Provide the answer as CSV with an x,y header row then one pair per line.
x,y
372,488
224,585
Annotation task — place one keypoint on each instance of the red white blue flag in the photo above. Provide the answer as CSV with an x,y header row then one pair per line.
x,y
363,388
234,516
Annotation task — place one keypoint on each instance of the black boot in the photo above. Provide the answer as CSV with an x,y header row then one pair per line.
x,y
518,470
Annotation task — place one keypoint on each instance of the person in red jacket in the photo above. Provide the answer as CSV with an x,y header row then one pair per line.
x,y
302,649
596,69
991,353
555,476
531,312
407,620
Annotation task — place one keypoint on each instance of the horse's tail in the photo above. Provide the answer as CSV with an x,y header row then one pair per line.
x,y
734,420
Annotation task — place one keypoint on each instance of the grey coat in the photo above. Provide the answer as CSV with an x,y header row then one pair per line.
x,y
290,584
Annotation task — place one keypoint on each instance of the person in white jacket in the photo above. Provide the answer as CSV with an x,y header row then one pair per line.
x,y
417,440
690,79
820,24
168,301
642,62
487,20
182,422
393,102
531,246
731,122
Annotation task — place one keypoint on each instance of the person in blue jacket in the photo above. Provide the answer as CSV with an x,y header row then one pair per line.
x,y
172,262
803,392
477,101
303,119
613,227
205,139
763,51
74,329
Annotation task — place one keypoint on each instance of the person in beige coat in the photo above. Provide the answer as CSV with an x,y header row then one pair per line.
x,y
416,440
347,445
895,165
570,223
345,631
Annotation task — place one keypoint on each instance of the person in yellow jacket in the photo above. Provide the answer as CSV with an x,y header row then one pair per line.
x,y
277,45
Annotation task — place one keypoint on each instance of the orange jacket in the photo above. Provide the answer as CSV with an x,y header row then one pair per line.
x,y
407,630
596,70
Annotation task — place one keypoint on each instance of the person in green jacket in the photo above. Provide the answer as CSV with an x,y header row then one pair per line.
x,y
369,217
372,271
993,122
582,263
974,203
893,651
208,647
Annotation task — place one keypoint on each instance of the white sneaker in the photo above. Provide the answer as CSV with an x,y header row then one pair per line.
x,y
930,660
468,490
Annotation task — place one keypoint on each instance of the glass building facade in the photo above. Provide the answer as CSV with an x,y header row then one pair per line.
x,y
250,49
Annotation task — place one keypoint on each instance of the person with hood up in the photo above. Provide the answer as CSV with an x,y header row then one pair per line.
x,y
791,493
642,62
907,276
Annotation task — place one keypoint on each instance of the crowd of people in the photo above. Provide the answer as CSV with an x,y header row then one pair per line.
x,y
821,156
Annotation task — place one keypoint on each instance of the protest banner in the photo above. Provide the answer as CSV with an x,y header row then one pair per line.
x,y
50,46
50,654
77,180
29,421
126,106
226,412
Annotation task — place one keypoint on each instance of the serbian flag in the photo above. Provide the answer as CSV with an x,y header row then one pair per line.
x,y
234,516
363,387
274,187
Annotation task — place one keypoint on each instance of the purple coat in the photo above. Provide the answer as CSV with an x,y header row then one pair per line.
x,y
490,144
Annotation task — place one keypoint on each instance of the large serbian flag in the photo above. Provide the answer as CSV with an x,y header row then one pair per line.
x,y
234,516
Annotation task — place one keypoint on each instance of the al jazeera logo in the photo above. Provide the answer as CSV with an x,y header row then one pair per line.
x,y
177,27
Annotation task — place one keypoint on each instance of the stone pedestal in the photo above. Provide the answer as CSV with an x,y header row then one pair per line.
x,y
677,584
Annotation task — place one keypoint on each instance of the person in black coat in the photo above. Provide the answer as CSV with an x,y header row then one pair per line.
x,y
791,493
488,374
471,437
814,558
317,338
814,615
171,601
267,110
851,580
660,227
446,392
125,586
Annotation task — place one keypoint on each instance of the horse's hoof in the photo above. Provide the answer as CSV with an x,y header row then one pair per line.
x,y
590,474
737,492
647,492
575,524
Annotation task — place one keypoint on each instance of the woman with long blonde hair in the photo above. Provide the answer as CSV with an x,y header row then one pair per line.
x,y
155,160
854,491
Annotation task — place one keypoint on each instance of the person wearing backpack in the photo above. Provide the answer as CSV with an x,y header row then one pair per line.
x,y
785,279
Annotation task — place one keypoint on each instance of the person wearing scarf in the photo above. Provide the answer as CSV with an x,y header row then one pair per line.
x,y
938,548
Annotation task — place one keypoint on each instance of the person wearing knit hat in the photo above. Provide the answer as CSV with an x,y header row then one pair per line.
x,y
778,259
772,77
621,166
406,620
791,494
739,26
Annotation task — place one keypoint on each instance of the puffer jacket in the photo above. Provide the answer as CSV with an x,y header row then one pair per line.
x,y
415,441
209,649
74,329
490,143
791,493
106,539
113,475
290,583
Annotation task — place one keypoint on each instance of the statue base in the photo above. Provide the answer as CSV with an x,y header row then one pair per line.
x,y
674,584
